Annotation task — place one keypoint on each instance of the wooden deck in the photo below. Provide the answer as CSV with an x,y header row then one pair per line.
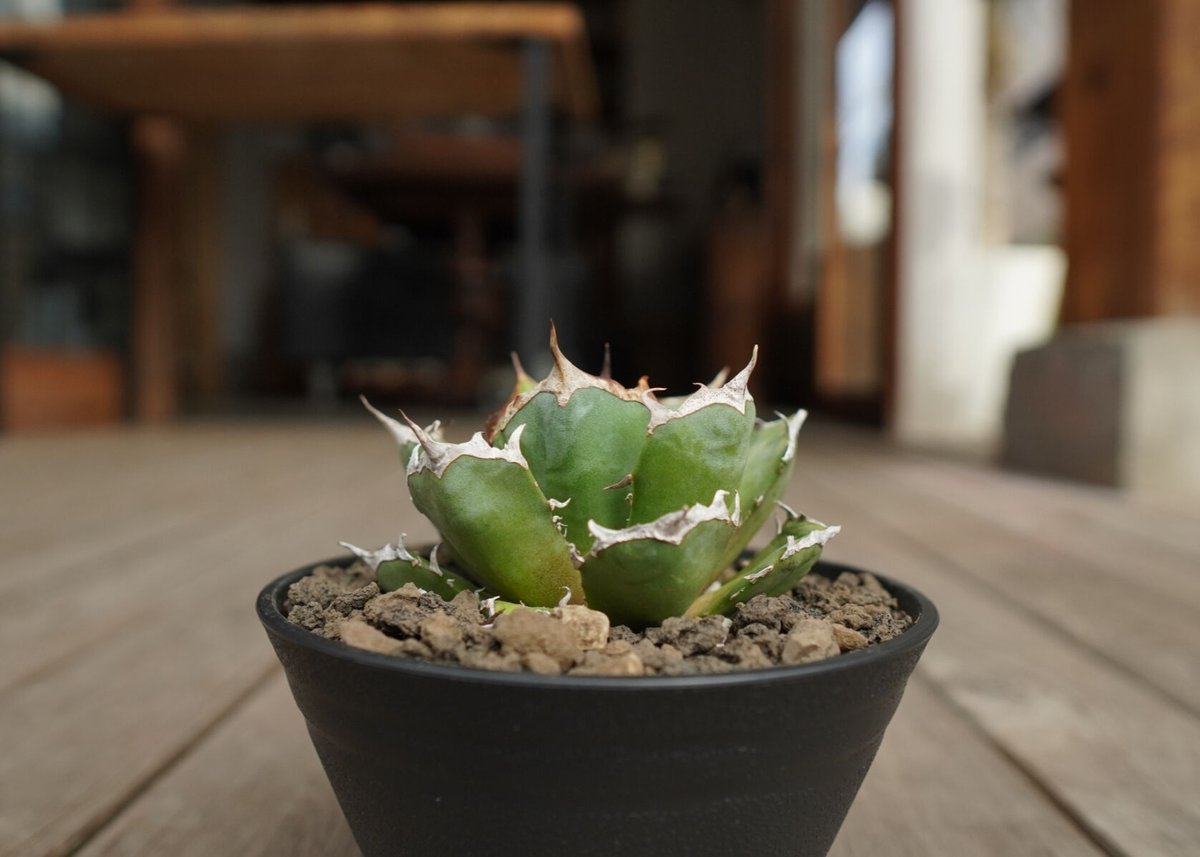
x,y
1057,711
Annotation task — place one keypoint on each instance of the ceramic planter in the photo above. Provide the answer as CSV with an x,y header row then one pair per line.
x,y
442,760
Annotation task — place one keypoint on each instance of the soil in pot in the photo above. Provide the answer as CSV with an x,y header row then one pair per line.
x,y
820,618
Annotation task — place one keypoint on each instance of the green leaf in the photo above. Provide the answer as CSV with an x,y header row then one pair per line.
x,y
395,565
774,570
578,451
768,472
642,574
694,449
487,506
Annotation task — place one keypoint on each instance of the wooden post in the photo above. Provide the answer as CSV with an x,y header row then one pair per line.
x,y
203,274
1133,160
159,147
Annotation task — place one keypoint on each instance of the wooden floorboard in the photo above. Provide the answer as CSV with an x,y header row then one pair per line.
x,y
1141,615
141,711
1078,727
258,774
210,529
93,728
264,751
920,800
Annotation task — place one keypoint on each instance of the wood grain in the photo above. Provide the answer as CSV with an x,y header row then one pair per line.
x,y
309,63
1077,726
44,390
101,723
919,800
1132,137
263,751
1135,609
142,711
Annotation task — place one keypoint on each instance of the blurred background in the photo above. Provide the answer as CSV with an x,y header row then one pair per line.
x,y
970,224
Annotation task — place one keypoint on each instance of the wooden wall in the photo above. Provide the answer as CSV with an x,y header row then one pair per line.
x,y
1132,114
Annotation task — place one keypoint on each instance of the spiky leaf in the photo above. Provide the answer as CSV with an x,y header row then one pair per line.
x,y
774,570
488,508
577,451
642,574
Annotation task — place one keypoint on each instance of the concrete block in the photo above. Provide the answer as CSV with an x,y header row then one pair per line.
x,y
1115,404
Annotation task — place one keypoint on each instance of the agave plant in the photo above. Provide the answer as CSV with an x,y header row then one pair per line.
x,y
584,491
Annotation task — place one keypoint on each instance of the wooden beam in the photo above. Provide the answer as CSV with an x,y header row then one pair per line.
x,y
309,63
1133,160
158,144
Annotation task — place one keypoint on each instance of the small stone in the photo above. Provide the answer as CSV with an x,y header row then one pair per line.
x,y
441,633
854,616
409,592
848,639
326,583
691,636
598,663
618,647
524,630
465,608
489,660
809,640
415,649
871,584
623,632
745,653
309,616
590,627
353,602
657,657
357,633
398,611
764,610
543,664
770,642
697,665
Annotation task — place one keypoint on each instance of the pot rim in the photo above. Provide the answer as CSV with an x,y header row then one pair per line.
x,y
914,637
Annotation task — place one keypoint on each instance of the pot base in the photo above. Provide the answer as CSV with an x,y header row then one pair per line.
x,y
442,760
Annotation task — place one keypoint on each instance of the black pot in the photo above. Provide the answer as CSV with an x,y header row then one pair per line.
x,y
448,761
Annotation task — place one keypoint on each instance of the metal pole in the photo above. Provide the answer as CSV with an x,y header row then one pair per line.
x,y
534,274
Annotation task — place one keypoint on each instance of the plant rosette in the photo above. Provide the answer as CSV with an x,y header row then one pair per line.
x,y
582,496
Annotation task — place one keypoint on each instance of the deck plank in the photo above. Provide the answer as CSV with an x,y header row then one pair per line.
x,y
1078,726
1137,607
214,523
98,726
919,800
258,775
150,717
264,751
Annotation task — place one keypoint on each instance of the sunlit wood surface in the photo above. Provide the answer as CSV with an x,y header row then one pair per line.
x,y
142,711
343,62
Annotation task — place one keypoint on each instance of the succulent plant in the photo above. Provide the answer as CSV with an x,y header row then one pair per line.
x,y
582,490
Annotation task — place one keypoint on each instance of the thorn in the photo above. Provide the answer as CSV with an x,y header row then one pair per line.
x,y
624,482
606,366
522,376
566,368
427,442
741,379
397,430
566,599
489,604
791,513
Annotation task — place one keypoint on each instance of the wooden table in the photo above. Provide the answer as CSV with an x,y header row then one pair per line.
x,y
142,711
330,63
